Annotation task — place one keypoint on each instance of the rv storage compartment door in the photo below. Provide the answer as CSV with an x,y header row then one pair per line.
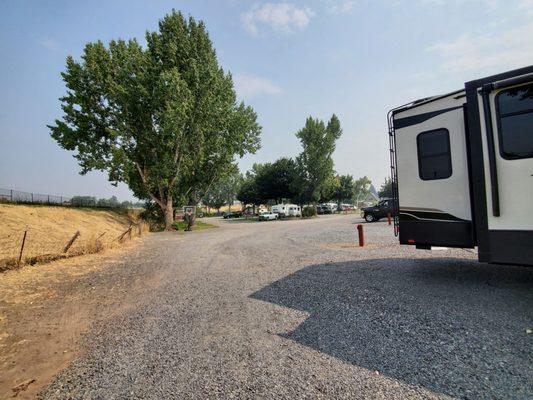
x,y
506,119
433,178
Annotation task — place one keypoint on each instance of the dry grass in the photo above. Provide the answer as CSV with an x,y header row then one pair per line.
x,y
49,229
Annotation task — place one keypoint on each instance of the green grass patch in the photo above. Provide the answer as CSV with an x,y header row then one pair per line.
x,y
198,225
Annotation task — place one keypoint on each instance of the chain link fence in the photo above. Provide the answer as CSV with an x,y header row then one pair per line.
x,y
17,196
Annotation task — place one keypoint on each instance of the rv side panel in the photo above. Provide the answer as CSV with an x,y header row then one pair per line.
x,y
433,174
502,182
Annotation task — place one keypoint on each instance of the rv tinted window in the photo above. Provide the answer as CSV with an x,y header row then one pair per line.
x,y
515,123
434,158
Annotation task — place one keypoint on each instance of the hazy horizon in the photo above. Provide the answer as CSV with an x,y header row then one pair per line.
x,y
289,59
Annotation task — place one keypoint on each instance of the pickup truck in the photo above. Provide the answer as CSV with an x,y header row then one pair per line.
x,y
268,216
380,210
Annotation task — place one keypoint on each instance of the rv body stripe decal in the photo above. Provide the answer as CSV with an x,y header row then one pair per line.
x,y
417,119
410,215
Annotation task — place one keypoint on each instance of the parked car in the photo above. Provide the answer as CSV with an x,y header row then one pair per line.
x,y
327,208
380,210
346,207
268,216
232,214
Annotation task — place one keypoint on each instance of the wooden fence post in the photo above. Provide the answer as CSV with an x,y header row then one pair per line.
x,y
22,248
71,241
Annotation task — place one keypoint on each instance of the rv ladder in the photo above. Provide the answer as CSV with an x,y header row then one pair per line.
x,y
394,172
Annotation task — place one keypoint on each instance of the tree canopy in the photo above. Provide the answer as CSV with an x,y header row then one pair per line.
x,y
386,189
224,191
315,162
362,187
344,189
164,119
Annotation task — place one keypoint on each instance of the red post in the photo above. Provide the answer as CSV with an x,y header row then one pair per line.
x,y
361,235
389,218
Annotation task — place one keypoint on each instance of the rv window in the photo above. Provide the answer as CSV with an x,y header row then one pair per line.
x,y
434,158
515,122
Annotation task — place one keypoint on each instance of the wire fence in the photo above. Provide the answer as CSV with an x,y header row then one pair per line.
x,y
33,245
17,196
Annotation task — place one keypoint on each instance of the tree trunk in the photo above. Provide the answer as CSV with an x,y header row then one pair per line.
x,y
169,214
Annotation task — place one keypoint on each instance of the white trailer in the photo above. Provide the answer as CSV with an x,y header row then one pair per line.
x,y
462,168
287,210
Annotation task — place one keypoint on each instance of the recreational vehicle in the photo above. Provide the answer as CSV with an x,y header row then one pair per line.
x,y
462,168
287,210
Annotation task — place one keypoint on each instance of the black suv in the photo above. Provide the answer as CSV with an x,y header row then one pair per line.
x,y
380,210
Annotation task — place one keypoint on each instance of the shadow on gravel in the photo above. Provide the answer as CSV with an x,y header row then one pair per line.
x,y
454,327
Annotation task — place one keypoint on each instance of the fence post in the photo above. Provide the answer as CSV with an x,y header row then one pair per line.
x,y
31,197
71,241
22,248
48,199
11,195
61,200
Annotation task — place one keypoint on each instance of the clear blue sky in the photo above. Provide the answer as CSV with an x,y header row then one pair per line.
x,y
290,59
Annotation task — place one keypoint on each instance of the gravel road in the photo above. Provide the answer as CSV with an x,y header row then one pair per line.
x,y
291,309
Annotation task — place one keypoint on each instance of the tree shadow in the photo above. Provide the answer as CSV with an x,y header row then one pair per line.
x,y
455,327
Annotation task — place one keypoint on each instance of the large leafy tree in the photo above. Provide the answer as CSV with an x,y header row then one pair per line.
x,y
315,162
162,118
275,181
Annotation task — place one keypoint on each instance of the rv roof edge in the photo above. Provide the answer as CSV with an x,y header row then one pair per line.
x,y
513,81
423,101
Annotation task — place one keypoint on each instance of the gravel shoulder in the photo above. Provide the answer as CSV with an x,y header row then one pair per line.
x,y
292,309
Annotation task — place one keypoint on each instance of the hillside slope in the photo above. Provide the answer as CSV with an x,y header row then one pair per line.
x,y
49,229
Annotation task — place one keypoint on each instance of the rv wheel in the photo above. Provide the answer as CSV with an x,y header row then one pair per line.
x,y
370,218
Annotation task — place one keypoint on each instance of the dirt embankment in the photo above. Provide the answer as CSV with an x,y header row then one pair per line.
x,y
45,233
46,308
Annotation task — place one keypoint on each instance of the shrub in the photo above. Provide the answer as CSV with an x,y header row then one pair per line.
x,y
308,211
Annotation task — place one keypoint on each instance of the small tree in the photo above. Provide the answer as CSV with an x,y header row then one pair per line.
x,y
224,191
249,192
83,201
111,202
230,186
163,119
386,189
344,189
362,187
